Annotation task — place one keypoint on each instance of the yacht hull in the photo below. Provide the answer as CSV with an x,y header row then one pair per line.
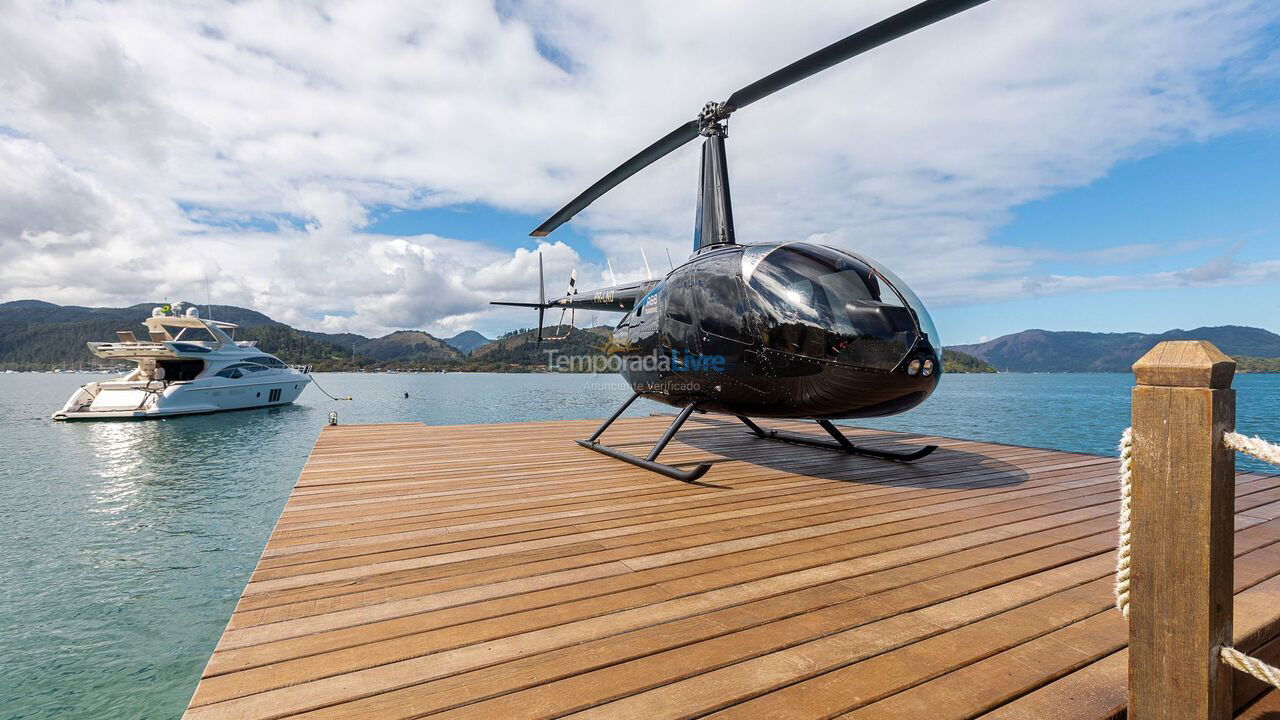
x,y
103,401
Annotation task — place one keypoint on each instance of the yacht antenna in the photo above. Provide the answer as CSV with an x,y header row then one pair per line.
x,y
673,265
208,297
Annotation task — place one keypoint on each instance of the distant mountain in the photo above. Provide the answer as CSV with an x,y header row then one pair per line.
x,y
1050,351
1247,364
346,340
409,346
36,334
521,347
40,335
466,341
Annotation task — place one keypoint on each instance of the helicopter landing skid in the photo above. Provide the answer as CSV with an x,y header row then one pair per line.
x,y
842,443
648,462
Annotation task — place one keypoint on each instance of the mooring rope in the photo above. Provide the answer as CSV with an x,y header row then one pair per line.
x,y
1256,447
313,382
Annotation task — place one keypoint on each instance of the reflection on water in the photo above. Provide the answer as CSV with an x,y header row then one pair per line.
x,y
126,544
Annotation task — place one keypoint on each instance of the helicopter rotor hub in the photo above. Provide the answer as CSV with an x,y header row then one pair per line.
x,y
711,120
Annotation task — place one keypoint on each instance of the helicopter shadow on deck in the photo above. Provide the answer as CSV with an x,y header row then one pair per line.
x,y
731,440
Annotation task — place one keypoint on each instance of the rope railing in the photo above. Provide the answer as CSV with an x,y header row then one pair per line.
x,y
1253,446
1126,522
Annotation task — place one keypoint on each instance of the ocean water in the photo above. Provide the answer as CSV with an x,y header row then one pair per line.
x,y
126,544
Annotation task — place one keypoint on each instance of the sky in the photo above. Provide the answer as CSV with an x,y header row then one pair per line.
x,y
366,167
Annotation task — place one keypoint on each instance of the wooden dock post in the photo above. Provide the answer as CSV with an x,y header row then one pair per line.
x,y
1183,493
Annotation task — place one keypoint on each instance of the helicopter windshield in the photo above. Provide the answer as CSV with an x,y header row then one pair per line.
x,y
826,304
922,315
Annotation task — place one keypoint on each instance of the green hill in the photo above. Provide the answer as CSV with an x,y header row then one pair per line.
x,y
1246,364
1050,351
954,361
466,341
409,347
36,335
520,347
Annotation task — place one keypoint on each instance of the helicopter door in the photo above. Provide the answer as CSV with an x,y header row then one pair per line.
x,y
720,304
679,334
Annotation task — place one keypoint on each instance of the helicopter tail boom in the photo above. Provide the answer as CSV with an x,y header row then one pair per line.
x,y
615,298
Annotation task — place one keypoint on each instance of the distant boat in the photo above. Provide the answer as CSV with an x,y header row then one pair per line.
x,y
189,365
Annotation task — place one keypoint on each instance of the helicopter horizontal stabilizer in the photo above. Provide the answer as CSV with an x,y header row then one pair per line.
x,y
516,304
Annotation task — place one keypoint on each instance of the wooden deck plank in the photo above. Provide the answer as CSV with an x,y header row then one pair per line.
x,y
435,571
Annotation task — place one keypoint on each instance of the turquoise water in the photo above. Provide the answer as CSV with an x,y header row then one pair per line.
x,y
126,544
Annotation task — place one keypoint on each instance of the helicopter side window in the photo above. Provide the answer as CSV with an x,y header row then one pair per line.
x,y
721,298
680,301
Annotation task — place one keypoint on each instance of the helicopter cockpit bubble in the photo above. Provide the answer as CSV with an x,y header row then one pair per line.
x,y
822,303
913,301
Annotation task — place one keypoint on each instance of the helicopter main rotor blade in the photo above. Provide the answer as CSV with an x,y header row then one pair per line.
x,y
907,21
640,161
891,28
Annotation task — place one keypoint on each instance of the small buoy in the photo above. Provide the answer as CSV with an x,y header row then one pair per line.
x,y
333,417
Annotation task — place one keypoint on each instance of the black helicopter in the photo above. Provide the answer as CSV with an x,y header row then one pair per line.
x,y
771,330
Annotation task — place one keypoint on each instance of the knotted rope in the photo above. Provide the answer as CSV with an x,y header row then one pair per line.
x,y
1256,447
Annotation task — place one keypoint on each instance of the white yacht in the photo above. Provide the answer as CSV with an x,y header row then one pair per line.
x,y
186,365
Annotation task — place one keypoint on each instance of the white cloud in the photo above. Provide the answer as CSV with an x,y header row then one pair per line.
x,y
125,125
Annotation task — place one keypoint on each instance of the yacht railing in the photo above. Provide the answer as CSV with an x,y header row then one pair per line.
x,y
128,349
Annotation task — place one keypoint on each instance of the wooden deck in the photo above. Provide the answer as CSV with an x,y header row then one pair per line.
x,y
501,571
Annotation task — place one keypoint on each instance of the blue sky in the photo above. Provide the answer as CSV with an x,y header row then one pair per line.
x,y
1223,192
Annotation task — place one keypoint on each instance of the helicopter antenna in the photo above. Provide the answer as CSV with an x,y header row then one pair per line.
x,y
668,251
612,278
648,273
542,297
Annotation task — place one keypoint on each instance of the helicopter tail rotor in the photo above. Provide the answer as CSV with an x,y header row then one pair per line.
x,y
568,293
542,305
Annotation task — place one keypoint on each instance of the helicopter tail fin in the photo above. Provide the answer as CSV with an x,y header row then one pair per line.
x,y
542,304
